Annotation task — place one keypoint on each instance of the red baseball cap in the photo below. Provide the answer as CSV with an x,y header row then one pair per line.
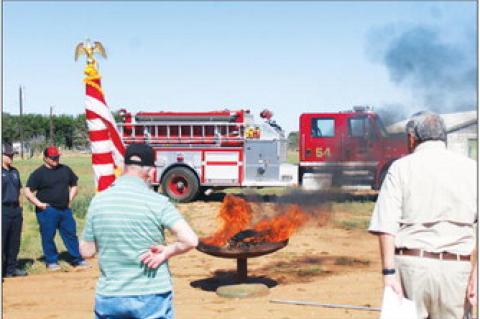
x,y
51,151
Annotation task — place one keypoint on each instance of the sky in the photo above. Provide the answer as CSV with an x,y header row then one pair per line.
x,y
289,57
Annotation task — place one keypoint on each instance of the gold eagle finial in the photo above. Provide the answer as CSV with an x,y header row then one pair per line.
x,y
89,49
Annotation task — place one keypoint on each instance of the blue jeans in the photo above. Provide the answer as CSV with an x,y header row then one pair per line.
x,y
157,306
49,220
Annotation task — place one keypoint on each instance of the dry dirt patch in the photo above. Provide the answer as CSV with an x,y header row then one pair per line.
x,y
323,262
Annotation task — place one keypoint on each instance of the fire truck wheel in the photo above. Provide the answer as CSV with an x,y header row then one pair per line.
x,y
180,184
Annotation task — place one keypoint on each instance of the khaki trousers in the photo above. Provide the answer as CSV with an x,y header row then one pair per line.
x,y
438,287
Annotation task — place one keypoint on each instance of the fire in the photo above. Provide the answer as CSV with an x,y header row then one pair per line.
x,y
281,227
235,216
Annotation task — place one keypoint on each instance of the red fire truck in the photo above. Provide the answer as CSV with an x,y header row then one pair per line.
x,y
351,148
196,151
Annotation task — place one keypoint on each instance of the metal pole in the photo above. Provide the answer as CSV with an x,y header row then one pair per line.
x,y
325,305
20,99
242,269
52,140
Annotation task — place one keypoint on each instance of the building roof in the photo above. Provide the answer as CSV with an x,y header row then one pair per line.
x,y
453,122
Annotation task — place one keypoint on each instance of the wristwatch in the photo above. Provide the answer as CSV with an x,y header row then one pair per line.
x,y
388,271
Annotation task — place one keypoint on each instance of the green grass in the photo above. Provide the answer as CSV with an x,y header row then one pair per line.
x,y
358,214
357,217
30,247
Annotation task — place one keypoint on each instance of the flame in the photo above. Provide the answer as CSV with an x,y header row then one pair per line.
x,y
236,213
234,216
281,227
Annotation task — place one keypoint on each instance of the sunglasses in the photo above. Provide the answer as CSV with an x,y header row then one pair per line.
x,y
54,158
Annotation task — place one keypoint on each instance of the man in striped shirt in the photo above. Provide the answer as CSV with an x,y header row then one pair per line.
x,y
125,225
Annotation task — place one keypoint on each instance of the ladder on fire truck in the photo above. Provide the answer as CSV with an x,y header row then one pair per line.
x,y
167,131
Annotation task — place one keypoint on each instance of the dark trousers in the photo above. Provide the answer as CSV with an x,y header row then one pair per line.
x,y
52,219
12,220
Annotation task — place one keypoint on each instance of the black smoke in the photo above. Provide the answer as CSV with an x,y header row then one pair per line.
x,y
440,73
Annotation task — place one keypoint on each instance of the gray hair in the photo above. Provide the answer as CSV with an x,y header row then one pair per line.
x,y
427,126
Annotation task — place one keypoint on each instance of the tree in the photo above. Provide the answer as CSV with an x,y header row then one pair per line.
x,y
293,141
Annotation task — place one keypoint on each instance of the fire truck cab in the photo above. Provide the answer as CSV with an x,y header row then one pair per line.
x,y
351,147
200,150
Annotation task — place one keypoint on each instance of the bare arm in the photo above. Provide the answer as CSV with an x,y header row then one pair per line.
x,y
72,194
387,252
387,249
88,249
472,288
20,198
186,240
33,199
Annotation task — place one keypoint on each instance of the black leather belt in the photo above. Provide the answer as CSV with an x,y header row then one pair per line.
x,y
10,204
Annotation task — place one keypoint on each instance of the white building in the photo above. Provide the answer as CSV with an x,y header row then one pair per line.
x,y
462,132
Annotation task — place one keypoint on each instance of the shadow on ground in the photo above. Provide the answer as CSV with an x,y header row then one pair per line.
x,y
223,278
24,263
62,256
306,268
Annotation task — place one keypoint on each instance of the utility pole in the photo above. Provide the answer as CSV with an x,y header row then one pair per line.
x,y
20,99
52,140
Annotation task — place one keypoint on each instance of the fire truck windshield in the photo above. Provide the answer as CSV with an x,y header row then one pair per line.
x,y
383,131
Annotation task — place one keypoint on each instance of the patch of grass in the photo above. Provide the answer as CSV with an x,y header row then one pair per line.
x,y
347,261
354,224
356,208
352,215
311,271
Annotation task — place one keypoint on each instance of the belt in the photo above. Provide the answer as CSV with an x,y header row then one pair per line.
x,y
10,204
422,253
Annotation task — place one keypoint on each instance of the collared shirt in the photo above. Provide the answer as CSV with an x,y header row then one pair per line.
x,y
124,221
428,201
11,185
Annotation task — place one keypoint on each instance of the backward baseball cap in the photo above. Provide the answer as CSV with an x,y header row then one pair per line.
x,y
144,152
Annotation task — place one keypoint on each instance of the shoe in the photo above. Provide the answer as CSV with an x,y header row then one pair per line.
x,y
17,273
53,267
82,265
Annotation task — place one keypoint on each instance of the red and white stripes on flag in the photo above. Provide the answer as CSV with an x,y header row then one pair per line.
x,y
106,145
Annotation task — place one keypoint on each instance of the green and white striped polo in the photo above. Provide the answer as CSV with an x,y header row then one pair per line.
x,y
124,221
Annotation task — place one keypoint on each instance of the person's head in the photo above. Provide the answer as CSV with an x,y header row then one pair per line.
x,y
51,156
7,154
140,161
425,126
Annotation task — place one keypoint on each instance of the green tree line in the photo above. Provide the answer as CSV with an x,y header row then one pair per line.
x,y
70,131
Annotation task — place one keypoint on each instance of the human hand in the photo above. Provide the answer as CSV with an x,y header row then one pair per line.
x,y
472,289
155,256
42,205
393,282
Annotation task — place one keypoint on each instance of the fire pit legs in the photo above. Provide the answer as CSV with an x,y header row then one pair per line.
x,y
242,269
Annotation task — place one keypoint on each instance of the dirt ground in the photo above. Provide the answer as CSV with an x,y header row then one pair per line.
x,y
323,263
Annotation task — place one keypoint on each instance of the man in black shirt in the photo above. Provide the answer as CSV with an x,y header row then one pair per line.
x,y
56,187
12,218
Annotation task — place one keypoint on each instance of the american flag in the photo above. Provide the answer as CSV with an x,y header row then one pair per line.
x,y
106,145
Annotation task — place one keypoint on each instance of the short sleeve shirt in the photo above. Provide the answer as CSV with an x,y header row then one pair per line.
x,y
124,221
53,184
11,185
429,201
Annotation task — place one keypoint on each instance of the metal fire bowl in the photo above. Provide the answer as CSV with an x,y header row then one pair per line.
x,y
256,250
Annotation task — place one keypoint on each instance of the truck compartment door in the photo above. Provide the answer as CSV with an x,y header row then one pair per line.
x,y
262,160
222,167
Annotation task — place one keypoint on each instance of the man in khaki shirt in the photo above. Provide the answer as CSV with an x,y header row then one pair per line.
x,y
424,218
